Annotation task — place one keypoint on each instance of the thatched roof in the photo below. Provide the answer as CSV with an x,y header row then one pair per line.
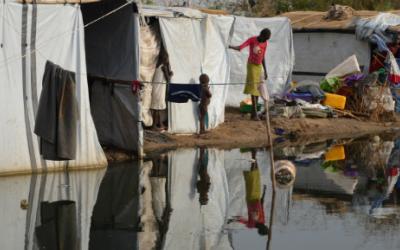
x,y
314,20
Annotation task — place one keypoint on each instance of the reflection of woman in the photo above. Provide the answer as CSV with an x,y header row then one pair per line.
x,y
254,199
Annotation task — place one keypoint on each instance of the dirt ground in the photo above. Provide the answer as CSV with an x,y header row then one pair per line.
x,y
239,131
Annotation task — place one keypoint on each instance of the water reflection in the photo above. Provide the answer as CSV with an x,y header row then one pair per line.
x,y
48,211
344,197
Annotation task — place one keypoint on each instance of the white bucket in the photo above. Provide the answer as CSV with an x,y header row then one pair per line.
x,y
286,168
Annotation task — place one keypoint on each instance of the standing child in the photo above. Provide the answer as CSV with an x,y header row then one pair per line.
x,y
255,66
204,102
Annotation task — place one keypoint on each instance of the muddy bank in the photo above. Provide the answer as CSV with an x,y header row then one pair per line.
x,y
239,131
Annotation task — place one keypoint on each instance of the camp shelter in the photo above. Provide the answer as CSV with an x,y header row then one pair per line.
x,y
112,52
204,50
321,44
24,215
207,38
279,57
32,34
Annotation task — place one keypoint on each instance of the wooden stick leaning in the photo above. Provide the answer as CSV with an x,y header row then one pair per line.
x,y
271,157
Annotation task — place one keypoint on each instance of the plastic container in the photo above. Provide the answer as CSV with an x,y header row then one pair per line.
x,y
246,107
334,101
290,173
336,153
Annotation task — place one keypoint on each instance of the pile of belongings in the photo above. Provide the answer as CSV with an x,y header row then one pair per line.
x,y
303,100
367,94
300,109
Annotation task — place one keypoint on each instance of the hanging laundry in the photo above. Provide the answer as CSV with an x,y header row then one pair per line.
x,y
57,115
181,93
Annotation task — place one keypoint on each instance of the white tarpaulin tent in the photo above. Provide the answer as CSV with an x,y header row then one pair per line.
x,y
279,56
19,225
193,226
204,50
48,32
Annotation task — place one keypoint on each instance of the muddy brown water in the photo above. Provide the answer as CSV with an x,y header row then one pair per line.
x,y
200,199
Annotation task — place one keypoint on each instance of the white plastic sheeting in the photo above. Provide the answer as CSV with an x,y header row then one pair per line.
x,y
279,56
21,82
216,65
366,27
321,52
19,224
204,50
193,226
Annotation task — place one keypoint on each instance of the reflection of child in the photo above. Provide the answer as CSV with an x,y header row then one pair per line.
x,y
204,102
203,185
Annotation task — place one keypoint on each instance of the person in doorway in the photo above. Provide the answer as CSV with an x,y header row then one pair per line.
x,y
161,78
255,66
254,199
204,102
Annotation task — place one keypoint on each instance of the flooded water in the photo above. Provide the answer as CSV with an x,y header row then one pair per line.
x,y
344,196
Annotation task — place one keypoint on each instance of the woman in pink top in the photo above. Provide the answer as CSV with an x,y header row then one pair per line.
x,y
255,65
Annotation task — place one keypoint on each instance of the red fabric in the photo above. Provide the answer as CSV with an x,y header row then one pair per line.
x,y
256,215
394,79
257,50
136,86
393,171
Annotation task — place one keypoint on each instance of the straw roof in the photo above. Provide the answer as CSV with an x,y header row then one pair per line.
x,y
314,20
213,12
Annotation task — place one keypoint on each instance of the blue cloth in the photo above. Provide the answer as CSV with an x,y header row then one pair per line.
x,y
181,93
379,42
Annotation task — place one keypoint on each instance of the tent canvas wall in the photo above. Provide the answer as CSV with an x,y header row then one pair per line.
x,y
205,50
319,52
37,28
113,59
279,57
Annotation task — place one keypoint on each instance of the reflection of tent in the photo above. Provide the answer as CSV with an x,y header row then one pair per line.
x,y
19,225
314,178
320,45
192,226
114,223
46,32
